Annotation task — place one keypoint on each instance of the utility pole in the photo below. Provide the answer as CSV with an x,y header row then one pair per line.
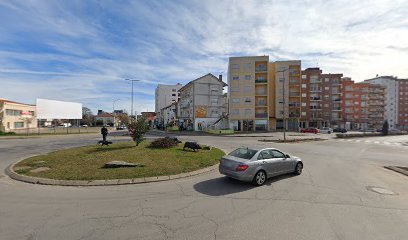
x,y
284,105
132,80
113,110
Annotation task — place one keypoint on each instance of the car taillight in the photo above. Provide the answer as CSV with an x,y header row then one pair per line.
x,y
241,168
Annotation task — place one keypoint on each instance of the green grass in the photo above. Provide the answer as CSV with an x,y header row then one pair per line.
x,y
86,163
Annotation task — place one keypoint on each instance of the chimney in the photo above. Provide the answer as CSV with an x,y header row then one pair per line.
x,y
220,77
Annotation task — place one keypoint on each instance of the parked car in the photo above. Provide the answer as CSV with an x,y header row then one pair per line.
x,y
256,165
326,130
394,130
310,130
340,130
122,127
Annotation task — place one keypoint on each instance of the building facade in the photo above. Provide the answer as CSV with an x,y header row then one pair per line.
x,y
261,92
170,114
321,99
17,116
165,95
201,103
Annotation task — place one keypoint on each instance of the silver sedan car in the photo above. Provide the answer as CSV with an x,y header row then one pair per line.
x,y
257,165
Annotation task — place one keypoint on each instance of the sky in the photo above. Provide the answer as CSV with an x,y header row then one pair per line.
x,y
82,51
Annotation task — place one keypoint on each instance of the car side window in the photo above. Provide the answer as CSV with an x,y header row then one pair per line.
x,y
265,155
277,154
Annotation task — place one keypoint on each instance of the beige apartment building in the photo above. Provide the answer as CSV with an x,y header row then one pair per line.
x,y
261,93
16,116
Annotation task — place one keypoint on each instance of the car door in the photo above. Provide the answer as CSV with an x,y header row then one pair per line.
x,y
280,162
266,159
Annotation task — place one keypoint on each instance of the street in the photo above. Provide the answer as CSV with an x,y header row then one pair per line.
x,y
332,199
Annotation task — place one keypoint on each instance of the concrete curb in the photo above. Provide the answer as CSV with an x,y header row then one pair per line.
x,y
397,169
46,181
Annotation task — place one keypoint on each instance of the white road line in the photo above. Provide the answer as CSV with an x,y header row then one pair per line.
x,y
367,141
349,140
387,143
377,142
358,140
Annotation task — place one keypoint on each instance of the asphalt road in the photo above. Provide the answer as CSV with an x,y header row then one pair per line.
x,y
330,200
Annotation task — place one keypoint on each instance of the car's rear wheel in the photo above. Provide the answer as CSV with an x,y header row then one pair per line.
x,y
259,178
299,168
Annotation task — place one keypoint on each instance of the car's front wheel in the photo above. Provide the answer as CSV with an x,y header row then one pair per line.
x,y
299,168
259,178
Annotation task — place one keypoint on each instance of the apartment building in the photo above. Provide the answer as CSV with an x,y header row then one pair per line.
x,y
170,114
261,93
165,95
321,99
16,116
402,119
392,97
201,103
363,105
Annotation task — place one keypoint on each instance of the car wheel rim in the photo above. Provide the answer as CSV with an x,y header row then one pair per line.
x,y
299,168
260,178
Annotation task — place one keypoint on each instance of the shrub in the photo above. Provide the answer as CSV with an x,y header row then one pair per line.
x,y
7,133
165,142
137,130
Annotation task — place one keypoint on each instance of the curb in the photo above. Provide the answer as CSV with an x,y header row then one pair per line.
x,y
397,169
46,181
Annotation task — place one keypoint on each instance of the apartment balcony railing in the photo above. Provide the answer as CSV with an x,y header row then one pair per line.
x,y
260,93
315,99
315,108
294,104
336,92
336,109
315,90
261,81
260,69
294,115
294,94
261,115
337,100
336,83
261,105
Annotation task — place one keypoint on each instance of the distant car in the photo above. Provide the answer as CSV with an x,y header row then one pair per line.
x,y
310,130
340,130
256,165
326,130
393,130
84,125
123,127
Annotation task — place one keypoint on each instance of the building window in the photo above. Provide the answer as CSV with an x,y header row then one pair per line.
x,y
304,76
173,95
303,94
235,111
326,88
234,89
303,104
281,79
247,89
248,100
214,101
248,77
235,66
248,112
327,80
235,77
303,85
235,100
12,112
18,125
174,90
248,65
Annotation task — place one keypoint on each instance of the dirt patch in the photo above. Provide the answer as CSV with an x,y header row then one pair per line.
x,y
40,169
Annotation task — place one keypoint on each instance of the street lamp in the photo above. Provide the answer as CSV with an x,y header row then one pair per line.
x,y
132,80
113,110
284,116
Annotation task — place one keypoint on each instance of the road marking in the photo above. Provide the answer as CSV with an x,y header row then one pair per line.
x,y
349,140
387,143
367,141
358,140
377,142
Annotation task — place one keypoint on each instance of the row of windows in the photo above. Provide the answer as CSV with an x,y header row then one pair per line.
x,y
247,89
12,112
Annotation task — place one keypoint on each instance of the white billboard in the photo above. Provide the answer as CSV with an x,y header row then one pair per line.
x,y
52,109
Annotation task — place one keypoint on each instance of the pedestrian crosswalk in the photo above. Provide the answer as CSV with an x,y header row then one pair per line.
x,y
373,142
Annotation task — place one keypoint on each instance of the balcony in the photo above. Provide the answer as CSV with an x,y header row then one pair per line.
x,y
294,115
294,94
261,115
315,99
261,69
336,92
261,105
261,80
315,108
336,83
315,90
336,109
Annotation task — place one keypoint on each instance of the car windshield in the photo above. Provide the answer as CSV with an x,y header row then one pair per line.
x,y
244,153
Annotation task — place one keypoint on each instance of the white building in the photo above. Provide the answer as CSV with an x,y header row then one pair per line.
x,y
165,95
391,95
201,103
170,114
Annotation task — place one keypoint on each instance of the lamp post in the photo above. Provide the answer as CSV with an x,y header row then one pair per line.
x,y
132,80
113,111
284,101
